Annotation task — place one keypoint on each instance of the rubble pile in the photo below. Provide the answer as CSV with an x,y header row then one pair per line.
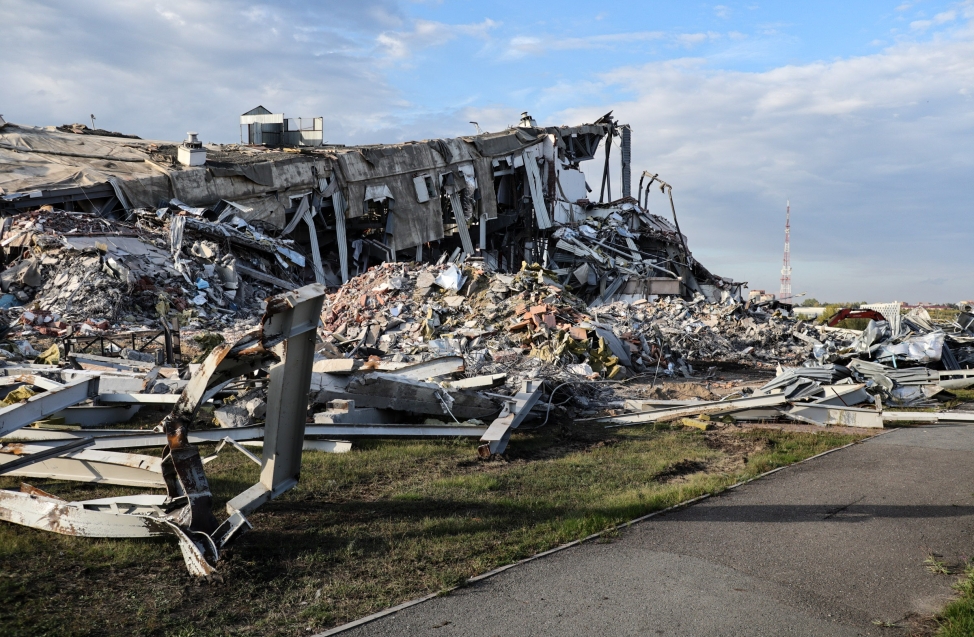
x,y
601,256
704,332
500,322
75,273
414,312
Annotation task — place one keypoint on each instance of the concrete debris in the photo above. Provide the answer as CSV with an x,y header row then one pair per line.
x,y
284,300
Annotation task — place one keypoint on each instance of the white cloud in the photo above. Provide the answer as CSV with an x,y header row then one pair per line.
x,y
940,18
171,16
426,33
522,46
873,152
157,71
722,11
690,39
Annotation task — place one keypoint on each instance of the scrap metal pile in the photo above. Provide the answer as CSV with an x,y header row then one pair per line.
x,y
905,361
908,359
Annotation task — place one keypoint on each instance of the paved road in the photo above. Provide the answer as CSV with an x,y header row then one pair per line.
x,y
819,549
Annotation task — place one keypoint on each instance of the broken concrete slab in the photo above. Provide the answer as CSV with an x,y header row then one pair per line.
x,y
488,381
384,390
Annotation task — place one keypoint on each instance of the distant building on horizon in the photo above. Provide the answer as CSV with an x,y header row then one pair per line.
x,y
760,296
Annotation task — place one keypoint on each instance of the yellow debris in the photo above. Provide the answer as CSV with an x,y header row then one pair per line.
x,y
18,395
702,425
51,356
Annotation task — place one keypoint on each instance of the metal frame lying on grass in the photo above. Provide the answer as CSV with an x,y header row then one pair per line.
x,y
285,339
704,408
60,462
516,409
44,404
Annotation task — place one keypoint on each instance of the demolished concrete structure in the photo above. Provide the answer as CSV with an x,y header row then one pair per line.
x,y
515,196
472,279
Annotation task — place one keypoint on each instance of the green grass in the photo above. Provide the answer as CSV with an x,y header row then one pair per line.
x,y
957,619
389,521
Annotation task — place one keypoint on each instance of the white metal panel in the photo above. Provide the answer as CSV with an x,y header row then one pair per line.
x,y
42,405
571,185
50,514
271,118
537,190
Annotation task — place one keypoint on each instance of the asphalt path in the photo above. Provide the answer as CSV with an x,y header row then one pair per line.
x,y
826,547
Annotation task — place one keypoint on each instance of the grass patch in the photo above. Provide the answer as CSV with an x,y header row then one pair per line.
x,y
963,395
369,529
957,619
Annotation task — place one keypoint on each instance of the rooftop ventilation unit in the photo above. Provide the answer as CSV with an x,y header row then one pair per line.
x,y
191,151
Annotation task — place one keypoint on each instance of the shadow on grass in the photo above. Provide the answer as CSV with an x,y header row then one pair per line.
x,y
378,528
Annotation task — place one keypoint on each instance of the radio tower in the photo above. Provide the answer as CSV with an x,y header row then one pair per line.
x,y
785,294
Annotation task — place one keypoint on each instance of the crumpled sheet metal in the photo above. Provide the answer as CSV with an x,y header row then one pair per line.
x,y
186,512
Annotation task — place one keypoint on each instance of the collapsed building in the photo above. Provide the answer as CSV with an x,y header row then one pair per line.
x,y
448,287
519,195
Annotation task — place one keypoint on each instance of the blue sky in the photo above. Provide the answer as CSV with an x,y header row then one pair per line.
x,y
859,112
521,48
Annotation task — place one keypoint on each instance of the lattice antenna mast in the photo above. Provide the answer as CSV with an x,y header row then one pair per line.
x,y
784,295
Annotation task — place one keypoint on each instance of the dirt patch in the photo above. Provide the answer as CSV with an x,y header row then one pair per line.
x,y
681,469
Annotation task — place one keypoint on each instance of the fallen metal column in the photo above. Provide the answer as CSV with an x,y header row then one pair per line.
x,y
395,431
67,518
132,439
261,276
44,454
709,408
515,411
87,465
139,399
42,405
287,396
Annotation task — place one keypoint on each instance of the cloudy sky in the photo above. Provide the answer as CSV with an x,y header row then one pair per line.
x,y
861,113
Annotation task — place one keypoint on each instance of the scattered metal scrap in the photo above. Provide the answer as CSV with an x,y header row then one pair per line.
x,y
286,340
472,279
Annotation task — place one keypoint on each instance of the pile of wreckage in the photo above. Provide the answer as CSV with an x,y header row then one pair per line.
x,y
337,293
901,360
532,323
75,272
327,213
55,422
